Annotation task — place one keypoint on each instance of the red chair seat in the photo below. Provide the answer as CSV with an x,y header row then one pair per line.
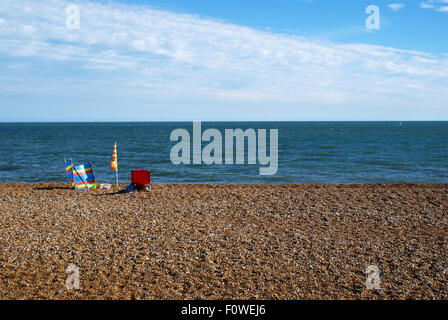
x,y
141,178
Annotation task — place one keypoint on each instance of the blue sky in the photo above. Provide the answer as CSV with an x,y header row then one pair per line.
x,y
168,60
407,27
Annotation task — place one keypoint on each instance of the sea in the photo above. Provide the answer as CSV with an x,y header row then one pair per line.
x,y
308,152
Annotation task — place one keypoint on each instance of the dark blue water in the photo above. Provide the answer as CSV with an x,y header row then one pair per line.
x,y
309,152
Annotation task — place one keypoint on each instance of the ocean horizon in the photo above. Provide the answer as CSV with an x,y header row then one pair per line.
x,y
309,152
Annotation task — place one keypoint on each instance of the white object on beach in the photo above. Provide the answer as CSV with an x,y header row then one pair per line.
x,y
105,186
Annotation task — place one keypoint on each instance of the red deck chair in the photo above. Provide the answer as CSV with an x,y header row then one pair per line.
x,y
141,179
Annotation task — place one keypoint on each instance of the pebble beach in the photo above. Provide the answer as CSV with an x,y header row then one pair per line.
x,y
283,242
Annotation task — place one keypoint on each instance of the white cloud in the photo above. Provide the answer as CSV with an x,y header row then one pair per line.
x,y
396,6
149,54
435,4
425,5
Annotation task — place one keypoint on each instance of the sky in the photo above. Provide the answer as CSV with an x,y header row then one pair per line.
x,y
223,60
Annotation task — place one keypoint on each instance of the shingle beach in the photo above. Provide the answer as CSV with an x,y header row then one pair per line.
x,y
224,241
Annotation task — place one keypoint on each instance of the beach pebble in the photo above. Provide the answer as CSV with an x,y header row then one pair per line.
x,y
224,241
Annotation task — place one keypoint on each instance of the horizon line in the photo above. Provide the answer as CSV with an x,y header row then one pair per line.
x,y
179,121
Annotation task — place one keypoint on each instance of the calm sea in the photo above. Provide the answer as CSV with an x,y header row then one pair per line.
x,y
309,152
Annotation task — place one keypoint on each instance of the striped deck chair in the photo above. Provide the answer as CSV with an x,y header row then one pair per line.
x,y
80,176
